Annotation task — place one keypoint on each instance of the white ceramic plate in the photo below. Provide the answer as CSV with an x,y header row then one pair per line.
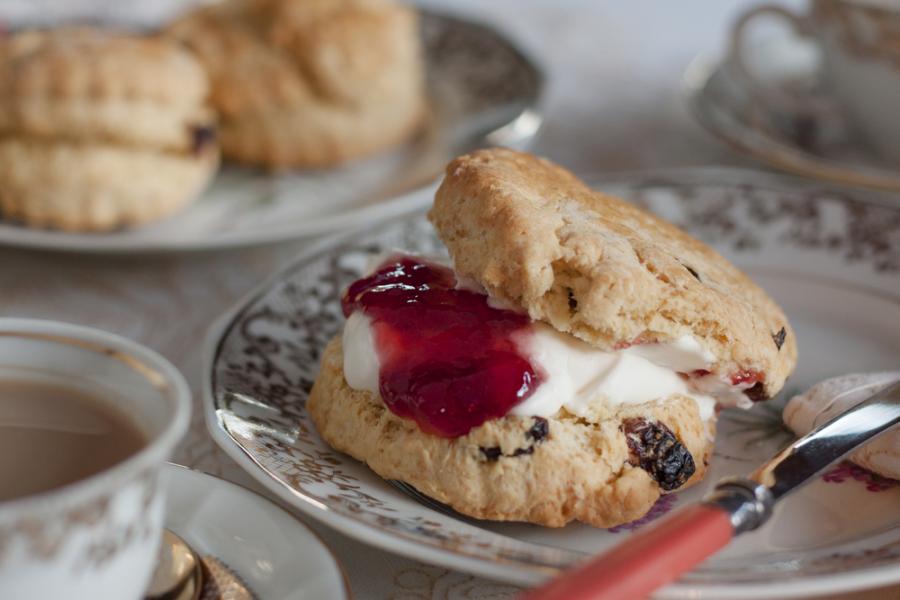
x,y
274,554
483,92
830,256
816,144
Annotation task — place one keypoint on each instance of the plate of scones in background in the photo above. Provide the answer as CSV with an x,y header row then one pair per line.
x,y
245,122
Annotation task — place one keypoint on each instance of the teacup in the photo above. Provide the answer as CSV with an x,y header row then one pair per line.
x,y
859,46
97,537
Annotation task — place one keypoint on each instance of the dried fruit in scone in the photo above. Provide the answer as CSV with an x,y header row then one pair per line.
x,y
466,391
100,130
827,399
312,83
577,469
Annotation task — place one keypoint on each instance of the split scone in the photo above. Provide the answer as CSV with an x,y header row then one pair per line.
x,y
100,130
567,367
312,83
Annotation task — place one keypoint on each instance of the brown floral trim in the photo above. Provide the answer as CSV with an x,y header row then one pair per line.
x,y
739,214
429,583
43,538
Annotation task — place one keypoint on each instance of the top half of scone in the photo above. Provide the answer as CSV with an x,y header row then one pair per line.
x,y
309,84
559,301
279,55
84,85
611,274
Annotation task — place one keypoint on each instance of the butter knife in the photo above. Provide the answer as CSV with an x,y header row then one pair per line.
x,y
658,555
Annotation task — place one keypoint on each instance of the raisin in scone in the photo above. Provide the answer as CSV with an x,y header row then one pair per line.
x,y
100,130
309,84
485,387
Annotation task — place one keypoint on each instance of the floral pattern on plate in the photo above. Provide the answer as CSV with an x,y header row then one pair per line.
x,y
847,471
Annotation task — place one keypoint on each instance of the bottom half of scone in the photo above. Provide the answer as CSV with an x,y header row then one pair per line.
x,y
548,471
96,186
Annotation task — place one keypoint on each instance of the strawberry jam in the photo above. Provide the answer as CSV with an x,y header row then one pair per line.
x,y
448,359
745,377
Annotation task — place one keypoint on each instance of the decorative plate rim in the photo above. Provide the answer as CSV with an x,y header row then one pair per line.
x,y
500,568
52,241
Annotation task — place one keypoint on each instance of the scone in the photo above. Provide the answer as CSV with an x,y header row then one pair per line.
x,y
568,366
312,83
100,130
827,399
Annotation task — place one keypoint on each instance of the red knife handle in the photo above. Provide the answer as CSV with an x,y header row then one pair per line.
x,y
659,554
646,560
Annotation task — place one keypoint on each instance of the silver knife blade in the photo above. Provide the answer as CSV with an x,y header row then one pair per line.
x,y
749,501
830,442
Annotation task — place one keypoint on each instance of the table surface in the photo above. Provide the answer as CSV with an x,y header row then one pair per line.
x,y
613,103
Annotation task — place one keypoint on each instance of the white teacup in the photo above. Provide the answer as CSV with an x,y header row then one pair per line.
x,y
96,538
859,45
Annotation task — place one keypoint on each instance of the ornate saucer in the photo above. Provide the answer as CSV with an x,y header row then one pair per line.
x,y
817,144
263,548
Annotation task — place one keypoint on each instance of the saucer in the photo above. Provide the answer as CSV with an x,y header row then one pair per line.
x,y
818,145
274,554
799,240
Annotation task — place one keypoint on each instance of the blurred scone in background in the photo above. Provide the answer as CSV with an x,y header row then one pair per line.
x,y
312,83
100,130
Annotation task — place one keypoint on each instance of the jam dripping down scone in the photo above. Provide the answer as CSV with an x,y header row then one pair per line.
x,y
100,130
568,366
312,83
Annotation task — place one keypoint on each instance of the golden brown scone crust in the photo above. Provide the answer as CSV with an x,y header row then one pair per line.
x,y
95,187
581,471
309,84
100,130
92,85
600,268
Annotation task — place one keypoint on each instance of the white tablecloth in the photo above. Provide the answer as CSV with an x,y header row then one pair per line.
x,y
612,103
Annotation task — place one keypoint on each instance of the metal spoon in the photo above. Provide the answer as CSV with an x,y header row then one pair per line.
x,y
181,574
179,571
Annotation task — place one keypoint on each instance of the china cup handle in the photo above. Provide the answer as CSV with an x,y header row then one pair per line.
x,y
800,25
